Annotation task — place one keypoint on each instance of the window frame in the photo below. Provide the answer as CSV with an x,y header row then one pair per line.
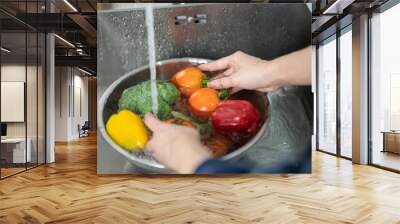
x,y
334,37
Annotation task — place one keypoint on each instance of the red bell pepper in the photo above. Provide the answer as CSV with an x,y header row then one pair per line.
x,y
236,119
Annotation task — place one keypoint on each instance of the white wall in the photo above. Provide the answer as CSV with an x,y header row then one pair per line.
x,y
17,73
12,73
62,81
71,94
33,126
80,89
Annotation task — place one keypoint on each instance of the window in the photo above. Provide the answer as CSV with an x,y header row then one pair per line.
x,y
346,92
22,76
394,101
327,96
385,89
329,112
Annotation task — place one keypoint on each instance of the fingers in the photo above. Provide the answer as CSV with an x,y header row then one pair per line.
x,y
229,71
150,146
217,77
222,83
270,88
219,64
235,89
213,84
152,122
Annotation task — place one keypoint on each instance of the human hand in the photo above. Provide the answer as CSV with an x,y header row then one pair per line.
x,y
177,147
243,71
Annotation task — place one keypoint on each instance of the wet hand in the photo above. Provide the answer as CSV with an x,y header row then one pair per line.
x,y
177,147
243,71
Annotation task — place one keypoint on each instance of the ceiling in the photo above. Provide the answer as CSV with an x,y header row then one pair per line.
x,y
72,20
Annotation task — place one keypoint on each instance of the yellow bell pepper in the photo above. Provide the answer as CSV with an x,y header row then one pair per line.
x,y
127,130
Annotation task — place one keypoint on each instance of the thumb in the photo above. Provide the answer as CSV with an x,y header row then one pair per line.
x,y
222,83
152,122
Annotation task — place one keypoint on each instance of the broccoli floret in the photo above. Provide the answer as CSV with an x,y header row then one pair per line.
x,y
167,91
138,98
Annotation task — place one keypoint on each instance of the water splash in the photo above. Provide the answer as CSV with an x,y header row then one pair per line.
x,y
152,57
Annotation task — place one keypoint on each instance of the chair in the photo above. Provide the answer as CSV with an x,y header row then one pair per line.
x,y
84,129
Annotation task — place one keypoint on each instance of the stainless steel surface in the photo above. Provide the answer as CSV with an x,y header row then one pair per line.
x,y
108,105
118,7
263,30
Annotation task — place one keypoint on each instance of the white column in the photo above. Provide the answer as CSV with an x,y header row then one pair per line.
x,y
50,94
360,90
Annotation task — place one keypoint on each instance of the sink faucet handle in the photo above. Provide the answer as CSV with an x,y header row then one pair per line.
x,y
200,18
183,20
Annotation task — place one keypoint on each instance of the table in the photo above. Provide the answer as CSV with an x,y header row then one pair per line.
x,y
17,150
391,141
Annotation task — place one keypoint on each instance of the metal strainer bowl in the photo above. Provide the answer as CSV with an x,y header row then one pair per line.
x,y
108,105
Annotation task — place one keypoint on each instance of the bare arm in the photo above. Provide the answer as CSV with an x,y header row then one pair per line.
x,y
243,71
294,67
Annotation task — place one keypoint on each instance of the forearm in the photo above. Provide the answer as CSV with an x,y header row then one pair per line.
x,y
293,68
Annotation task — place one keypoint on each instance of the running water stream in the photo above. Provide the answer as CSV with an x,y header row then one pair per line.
x,y
152,57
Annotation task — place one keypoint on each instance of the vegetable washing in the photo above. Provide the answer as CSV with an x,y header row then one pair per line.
x,y
224,124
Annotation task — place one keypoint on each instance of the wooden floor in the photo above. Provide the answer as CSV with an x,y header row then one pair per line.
x,y
387,159
5,172
69,191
